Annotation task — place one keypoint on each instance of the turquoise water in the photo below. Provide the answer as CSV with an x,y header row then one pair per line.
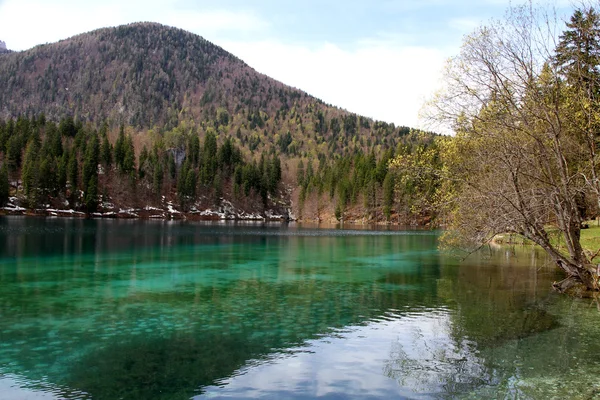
x,y
119,309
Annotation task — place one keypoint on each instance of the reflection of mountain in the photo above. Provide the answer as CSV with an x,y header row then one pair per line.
x,y
164,368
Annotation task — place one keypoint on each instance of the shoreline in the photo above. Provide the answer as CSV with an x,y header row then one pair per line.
x,y
135,213
151,214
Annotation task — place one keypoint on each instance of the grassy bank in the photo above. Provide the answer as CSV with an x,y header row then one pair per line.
x,y
590,239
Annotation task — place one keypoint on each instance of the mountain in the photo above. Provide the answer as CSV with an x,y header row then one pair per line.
x,y
148,75
135,74
168,89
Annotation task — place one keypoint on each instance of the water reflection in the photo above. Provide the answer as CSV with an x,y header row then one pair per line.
x,y
131,309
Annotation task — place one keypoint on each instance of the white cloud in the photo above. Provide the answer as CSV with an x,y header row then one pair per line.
x,y
213,22
465,24
378,80
24,24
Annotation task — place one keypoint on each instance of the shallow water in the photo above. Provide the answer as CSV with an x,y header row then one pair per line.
x,y
173,310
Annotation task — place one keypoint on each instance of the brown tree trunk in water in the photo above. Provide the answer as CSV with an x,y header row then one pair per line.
x,y
582,275
582,283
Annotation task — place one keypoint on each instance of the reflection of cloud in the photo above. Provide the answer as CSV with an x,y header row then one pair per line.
x,y
433,360
356,363
15,387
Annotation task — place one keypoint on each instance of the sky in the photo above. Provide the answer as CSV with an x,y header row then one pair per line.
x,y
377,58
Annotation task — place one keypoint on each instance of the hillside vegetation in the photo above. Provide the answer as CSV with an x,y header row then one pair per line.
x,y
180,99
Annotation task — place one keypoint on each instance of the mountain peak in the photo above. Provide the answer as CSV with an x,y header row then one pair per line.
x,y
135,74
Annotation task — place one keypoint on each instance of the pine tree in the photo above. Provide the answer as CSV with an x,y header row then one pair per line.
x,y
120,149
14,149
143,161
47,176
67,127
73,171
388,195
91,194
193,150
90,164
53,141
157,178
274,174
61,171
128,165
218,185
106,151
4,185
578,52
30,173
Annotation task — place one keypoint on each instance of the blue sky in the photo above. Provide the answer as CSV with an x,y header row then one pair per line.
x,y
379,58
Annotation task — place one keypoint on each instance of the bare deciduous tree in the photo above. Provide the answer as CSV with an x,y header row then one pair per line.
x,y
522,161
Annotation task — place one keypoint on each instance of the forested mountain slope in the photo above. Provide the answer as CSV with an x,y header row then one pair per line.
x,y
169,90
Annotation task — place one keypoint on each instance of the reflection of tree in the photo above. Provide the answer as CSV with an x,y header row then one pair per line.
x,y
499,298
430,361
494,303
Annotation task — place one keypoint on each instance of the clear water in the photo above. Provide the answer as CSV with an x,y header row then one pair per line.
x,y
174,310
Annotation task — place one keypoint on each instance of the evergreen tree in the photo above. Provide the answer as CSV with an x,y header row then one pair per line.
x,y
172,167
67,127
226,154
577,58
218,185
91,195
4,185
388,195
190,183
209,162
47,176
274,174
578,52
193,150
14,151
106,151
73,171
157,178
90,164
128,165
53,141
143,162
120,149
61,171
30,173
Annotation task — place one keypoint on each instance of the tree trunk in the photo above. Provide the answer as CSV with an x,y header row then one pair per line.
x,y
583,283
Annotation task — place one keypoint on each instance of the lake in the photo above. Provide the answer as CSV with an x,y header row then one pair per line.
x,y
121,309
